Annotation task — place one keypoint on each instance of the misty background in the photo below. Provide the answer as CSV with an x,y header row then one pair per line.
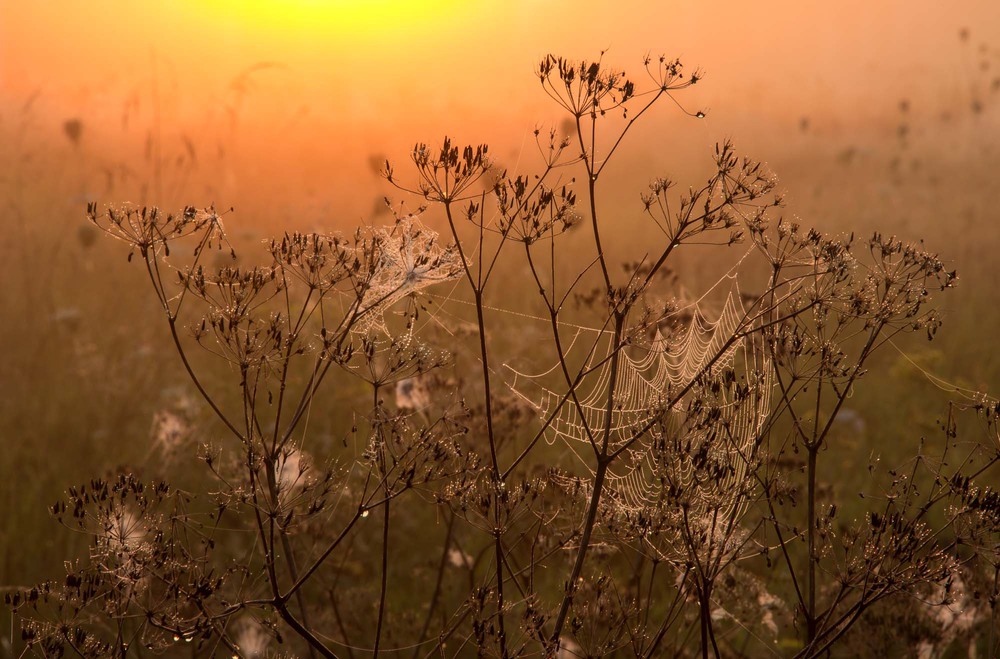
x,y
873,116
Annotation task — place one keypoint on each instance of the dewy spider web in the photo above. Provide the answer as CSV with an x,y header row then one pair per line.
x,y
412,260
406,258
646,383
409,258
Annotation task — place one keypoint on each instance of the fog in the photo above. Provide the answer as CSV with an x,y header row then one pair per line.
x,y
282,109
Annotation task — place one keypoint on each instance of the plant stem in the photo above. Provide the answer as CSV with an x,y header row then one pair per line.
x,y
811,541
385,579
437,585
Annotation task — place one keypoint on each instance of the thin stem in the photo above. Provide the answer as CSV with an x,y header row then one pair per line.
x,y
592,198
385,524
581,554
385,579
811,543
442,564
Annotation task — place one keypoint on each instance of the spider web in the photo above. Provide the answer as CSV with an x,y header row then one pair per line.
x,y
652,385
409,258
667,373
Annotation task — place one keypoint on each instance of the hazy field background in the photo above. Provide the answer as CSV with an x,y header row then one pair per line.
x,y
873,118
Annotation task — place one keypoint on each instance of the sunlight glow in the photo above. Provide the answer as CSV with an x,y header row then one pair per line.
x,y
347,19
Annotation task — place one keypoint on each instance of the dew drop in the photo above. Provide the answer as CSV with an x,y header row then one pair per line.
x,y
364,514
699,114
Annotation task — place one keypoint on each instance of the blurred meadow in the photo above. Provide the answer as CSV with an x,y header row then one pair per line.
x,y
873,116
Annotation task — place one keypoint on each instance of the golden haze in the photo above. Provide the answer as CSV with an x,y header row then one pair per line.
x,y
299,98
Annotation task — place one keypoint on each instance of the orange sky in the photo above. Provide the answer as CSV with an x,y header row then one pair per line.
x,y
307,90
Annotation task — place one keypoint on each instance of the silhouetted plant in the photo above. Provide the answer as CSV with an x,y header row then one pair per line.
x,y
664,523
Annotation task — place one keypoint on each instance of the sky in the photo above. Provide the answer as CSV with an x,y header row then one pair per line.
x,y
300,97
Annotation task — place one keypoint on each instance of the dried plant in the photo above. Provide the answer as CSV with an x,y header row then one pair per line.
x,y
619,478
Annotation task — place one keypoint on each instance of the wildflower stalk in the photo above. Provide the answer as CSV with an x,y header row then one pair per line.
x,y
603,460
438,580
380,440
